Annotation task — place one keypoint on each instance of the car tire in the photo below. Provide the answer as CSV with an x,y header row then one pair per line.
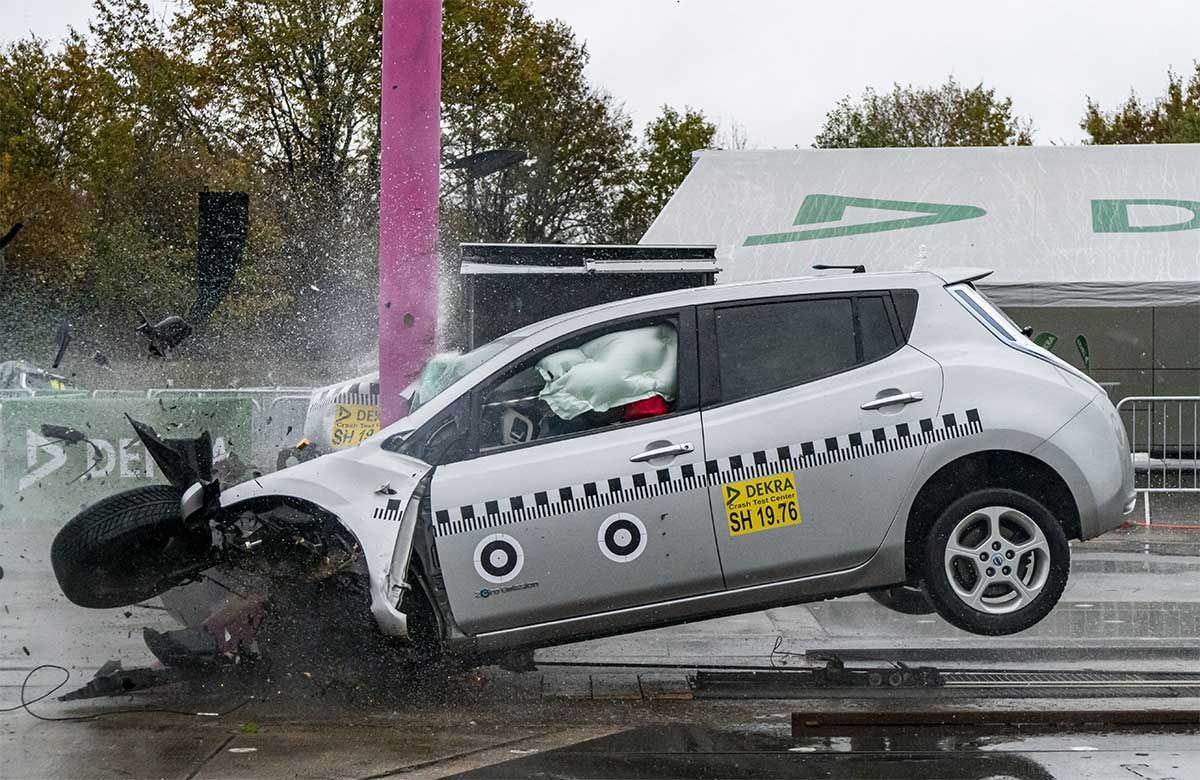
x,y
995,562
124,549
904,599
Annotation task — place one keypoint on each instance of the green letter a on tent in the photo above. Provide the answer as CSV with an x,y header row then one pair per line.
x,y
819,209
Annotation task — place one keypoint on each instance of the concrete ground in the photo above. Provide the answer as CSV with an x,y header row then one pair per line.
x,y
624,707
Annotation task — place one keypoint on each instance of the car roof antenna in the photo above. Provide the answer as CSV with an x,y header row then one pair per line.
x,y
854,269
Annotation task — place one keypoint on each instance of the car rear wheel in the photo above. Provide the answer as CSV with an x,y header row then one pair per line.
x,y
995,562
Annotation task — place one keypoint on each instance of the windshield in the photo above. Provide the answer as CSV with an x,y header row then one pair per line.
x,y
446,368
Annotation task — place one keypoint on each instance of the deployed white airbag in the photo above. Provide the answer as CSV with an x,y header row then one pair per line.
x,y
610,371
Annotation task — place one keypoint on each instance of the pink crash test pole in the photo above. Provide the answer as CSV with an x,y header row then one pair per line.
x,y
410,138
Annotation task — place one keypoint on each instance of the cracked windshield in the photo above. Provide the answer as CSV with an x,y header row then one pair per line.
x,y
627,389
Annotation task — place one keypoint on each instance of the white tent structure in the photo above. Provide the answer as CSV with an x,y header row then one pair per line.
x,y
1068,226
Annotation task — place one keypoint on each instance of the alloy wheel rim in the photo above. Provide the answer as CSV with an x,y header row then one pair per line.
x,y
997,560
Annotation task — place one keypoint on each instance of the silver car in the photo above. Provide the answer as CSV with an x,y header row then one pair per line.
x,y
707,452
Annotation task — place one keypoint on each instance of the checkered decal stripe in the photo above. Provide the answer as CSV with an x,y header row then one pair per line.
x,y
358,398
389,511
677,479
365,393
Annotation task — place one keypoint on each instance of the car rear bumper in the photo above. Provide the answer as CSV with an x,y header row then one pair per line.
x,y
1091,453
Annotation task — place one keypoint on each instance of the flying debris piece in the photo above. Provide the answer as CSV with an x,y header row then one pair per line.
x,y
181,461
487,162
164,336
101,360
112,680
62,338
233,469
72,436
7,238
63,433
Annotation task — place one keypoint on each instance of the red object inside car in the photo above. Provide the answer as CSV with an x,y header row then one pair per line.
x,y
653,406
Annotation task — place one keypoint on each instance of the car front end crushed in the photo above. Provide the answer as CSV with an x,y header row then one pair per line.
x,y
374,495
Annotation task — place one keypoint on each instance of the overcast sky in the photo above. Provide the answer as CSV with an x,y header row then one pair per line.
x,y
775,67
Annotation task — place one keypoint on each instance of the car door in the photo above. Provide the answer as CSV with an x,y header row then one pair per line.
x,y
816,415
547,519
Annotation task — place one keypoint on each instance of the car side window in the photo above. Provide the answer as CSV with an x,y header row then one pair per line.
x,y
767,346
603,378
875,328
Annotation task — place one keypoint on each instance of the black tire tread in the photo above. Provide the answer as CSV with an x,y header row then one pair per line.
x,y
102,525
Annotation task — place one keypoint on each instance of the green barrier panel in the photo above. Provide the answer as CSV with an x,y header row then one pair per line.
x,y
49,479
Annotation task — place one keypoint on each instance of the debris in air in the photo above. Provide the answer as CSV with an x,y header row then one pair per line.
x,y
112,680
62,338
7,238
69,435
233,469
63,433
164,336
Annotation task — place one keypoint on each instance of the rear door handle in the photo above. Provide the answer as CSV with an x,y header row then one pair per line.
x,y
663,452
898,398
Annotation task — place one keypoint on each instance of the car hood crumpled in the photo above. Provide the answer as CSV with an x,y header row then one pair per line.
x,y
369,490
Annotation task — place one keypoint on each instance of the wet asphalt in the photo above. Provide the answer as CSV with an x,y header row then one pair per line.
x,y
627,707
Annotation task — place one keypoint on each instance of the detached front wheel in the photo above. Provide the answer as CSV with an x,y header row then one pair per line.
x,y
126,548
995,562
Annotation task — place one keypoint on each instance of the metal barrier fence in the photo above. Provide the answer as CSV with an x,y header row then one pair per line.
x,y
277,420
1164,439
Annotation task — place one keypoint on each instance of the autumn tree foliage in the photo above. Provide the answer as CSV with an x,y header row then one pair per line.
x,y
107,136
945,115
1173,118
663,160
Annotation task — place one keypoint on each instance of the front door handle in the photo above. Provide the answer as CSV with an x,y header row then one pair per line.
x,y
898,398
663,452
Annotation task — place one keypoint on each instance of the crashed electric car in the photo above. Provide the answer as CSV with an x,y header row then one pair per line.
x,y
665,459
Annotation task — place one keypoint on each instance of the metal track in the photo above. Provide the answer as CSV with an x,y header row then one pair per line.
x,y
976,679
875,681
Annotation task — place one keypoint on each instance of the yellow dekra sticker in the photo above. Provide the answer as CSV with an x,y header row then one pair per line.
x,y
353,424
761,504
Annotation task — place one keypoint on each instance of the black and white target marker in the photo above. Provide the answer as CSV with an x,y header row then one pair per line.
x,y
499,558
622,537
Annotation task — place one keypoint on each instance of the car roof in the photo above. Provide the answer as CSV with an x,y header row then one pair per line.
x,y
760,288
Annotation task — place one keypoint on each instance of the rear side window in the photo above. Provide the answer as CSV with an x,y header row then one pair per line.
x,y
906,309
767,346
875,328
